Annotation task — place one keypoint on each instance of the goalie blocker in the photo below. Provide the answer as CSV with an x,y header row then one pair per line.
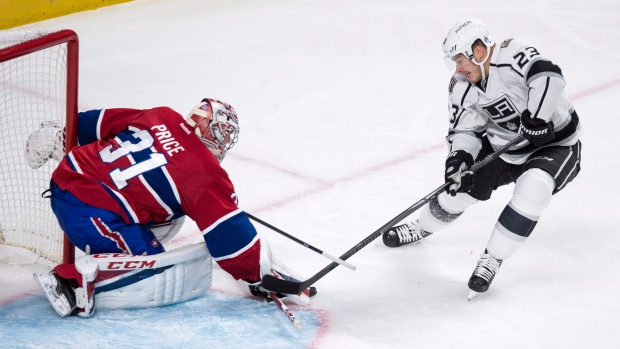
x,y
118,281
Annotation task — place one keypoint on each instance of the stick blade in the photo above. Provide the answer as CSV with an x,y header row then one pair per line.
x,y
271,283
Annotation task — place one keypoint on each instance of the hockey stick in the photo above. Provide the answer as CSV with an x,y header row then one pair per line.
x,y
272,283
285,310
335,259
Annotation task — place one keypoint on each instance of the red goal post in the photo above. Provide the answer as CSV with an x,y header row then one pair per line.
x,y
38,82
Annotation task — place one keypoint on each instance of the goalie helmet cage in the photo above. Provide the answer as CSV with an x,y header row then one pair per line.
x,y
38,82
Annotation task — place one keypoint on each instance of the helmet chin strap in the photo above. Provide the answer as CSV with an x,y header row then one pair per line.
x,y
481,64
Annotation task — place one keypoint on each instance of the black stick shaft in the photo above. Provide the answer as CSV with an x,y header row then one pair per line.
x,y
278,285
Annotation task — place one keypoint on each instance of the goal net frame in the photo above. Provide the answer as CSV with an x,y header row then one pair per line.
x,y
40,43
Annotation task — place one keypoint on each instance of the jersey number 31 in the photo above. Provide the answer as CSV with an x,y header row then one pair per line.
x,y
125,148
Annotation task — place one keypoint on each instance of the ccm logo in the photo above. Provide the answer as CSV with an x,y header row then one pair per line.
x,y
131,265
113,255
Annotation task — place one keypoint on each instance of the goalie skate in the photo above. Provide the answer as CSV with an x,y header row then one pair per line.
x,y
59,293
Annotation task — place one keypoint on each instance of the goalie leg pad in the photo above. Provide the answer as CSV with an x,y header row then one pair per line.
x,y
86,272
129,282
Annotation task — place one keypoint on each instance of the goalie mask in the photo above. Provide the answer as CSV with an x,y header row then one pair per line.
x,y
460,39
216,124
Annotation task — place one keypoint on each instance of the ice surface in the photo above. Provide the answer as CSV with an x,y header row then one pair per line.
x,y
343,115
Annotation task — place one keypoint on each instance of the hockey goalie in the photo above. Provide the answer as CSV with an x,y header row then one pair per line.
x,y
131,169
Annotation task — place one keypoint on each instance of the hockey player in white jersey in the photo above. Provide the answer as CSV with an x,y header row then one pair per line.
x,y
498,91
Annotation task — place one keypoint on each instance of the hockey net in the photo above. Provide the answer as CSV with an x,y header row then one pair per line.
x,y
38,83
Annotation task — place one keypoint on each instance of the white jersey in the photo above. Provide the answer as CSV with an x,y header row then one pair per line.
x,y
519,78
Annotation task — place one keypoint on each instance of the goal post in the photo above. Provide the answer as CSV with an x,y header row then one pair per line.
x,y
38,83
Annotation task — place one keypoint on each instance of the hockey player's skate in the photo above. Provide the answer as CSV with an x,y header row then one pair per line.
x,y
404,234
44,144
483,275
270,265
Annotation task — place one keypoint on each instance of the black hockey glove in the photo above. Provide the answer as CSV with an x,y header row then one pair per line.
x,y
536,131
456,172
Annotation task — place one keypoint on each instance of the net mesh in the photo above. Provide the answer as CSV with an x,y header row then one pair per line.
x,y
32,91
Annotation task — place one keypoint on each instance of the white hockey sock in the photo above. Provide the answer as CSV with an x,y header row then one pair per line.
x,y
443,210
531,196
502,246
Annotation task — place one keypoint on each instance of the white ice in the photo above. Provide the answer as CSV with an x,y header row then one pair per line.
x,y
343,116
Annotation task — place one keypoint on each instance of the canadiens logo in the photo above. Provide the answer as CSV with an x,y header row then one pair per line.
x,y
235,199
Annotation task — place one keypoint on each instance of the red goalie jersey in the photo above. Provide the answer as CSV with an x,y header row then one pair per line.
x,y
149,166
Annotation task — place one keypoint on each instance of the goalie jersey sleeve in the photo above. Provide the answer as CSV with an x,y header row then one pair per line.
x,y
519,78
148,166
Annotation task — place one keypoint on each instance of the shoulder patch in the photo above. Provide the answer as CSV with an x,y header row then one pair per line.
x,y
452,83
505,43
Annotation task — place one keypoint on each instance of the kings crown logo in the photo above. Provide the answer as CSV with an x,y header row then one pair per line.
x,y
511,126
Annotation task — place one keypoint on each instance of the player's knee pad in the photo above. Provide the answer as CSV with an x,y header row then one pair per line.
x,y
127,281
533,192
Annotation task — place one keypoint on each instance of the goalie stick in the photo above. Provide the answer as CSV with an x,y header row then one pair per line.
x,y
323,253
289,314
271,283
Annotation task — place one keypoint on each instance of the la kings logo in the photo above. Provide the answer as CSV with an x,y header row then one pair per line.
x,y
505,43
504,113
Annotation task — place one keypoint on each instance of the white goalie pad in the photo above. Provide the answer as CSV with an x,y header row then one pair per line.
x,y
126,281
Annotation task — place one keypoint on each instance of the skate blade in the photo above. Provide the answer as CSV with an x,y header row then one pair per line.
x,y
60,304
472,294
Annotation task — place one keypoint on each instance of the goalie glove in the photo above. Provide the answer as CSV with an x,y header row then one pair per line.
x,y
270,265
45,143
536,131
457,164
